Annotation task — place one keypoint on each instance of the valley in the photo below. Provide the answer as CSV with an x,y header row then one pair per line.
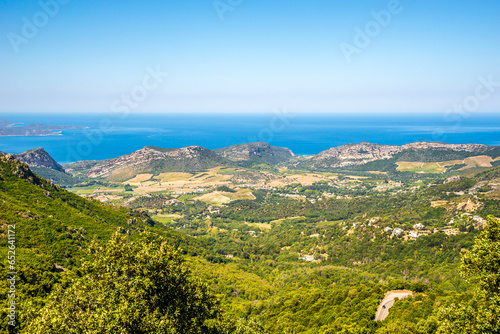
x,y
304,244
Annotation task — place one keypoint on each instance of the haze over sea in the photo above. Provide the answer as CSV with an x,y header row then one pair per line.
x,y
302,133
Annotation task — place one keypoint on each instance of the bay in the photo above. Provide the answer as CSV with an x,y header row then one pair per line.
x,y
109,136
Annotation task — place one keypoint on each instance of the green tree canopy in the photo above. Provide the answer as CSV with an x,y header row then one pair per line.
x,y
130,287
480,313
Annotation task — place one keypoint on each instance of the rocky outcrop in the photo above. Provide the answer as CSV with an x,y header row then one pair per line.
x,y
364,152
38,157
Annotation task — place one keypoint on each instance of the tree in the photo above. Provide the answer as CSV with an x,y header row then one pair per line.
x,y
481,312
398,327
130,287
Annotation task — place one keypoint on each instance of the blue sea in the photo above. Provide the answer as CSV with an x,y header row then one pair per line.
x,y
111,135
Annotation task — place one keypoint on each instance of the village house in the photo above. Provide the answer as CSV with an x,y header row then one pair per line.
x,y
307,258
397,231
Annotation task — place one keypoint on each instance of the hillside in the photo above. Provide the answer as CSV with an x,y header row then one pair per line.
x,y
255,153
56,222
53,229
39,158
42,164
156,160
369,156
52,226
45,213
363,157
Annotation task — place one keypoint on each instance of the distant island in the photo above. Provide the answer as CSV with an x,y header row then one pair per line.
x,y
9,129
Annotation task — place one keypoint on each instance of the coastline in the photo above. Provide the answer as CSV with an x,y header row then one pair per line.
x,y
40,135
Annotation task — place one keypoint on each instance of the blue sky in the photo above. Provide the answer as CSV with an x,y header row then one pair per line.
x,y
253,57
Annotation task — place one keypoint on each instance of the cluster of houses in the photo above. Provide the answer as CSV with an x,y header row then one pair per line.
x,y
419,228
476,220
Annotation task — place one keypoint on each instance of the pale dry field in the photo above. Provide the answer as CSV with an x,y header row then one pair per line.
x,y
437,204
215,197
440,167
222,197
139,178
172,182
479,161
304,179
170,177
261,226
424,167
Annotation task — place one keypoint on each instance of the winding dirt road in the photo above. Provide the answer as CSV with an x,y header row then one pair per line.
x,y
388,301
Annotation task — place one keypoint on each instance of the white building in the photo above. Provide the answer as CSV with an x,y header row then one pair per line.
x,y
413,234
397,231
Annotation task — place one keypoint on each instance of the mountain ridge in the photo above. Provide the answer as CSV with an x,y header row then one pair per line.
x,y
365,152
195,158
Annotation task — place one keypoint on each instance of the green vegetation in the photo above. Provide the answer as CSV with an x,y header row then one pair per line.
x,y
302,256
60,178
480,312
432,155
129,287
52,228
257,155
160,149
226,189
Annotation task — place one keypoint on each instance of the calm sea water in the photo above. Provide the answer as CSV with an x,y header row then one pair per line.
x,y
109,136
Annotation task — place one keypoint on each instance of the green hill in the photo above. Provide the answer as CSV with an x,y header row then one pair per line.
x,y
52,229
255,153
152,160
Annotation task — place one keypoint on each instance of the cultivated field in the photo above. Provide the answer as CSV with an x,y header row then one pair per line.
x,y
440,167
222,197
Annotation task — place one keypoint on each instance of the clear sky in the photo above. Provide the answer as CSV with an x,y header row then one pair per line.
x,y
249,55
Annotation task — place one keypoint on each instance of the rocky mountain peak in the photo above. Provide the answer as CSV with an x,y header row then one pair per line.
x,y
38,157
